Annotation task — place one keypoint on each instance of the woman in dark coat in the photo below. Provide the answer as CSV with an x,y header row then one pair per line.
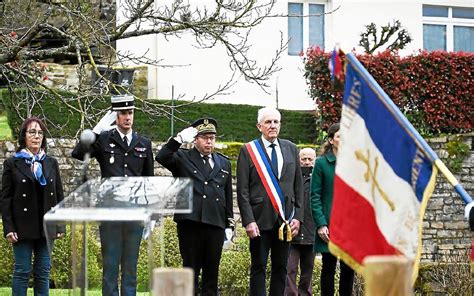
x,y
31,186
322,182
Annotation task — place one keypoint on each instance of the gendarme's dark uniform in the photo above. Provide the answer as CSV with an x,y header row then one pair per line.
x,y
120,241
212,195
201,233
116,159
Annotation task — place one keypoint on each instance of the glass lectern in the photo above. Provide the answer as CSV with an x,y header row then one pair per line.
x,y
115,199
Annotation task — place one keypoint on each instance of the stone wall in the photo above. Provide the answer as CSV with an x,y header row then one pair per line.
x,y
446,231
446,234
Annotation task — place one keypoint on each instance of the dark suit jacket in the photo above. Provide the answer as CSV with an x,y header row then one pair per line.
x,y
212,195
254,203
20,211
307,229
116,159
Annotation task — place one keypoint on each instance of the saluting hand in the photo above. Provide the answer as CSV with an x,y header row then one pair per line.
x,y
105,123
187,135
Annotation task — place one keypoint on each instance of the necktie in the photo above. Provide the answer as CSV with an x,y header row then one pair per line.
x,y
207,165
274,160
125,142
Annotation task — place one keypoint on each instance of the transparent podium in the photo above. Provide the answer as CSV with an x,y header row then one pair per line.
x,y
96,211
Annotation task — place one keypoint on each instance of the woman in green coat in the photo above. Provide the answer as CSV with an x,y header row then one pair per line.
x,y
322,182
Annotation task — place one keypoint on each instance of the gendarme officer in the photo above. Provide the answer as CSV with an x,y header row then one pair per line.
x,y
120,151
201,234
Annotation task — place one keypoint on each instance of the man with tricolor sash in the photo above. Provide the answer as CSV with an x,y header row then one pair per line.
x,y
270,196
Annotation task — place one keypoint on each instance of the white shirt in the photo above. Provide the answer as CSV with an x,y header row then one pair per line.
x,y
129,136
211,161
278,153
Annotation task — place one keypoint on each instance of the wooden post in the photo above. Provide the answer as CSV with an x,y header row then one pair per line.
x,y
388,276
173,282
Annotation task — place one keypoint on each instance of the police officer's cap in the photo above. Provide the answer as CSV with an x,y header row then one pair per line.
x,y
122,102
205,125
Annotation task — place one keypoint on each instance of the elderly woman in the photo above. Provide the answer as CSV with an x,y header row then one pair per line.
x,y
322,183
31,186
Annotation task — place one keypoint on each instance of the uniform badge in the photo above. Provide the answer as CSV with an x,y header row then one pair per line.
x,y
140,149
112,159
224,171
112,145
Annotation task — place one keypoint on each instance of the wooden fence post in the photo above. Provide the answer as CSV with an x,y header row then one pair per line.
x,y
387,276
173,282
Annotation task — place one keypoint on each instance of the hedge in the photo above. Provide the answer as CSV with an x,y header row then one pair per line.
x,y
432,89
234,269
235,122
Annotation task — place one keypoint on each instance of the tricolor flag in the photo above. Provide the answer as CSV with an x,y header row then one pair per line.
x,y
336,65
385,174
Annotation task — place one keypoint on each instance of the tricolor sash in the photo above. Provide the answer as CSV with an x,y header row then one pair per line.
x,y
271,185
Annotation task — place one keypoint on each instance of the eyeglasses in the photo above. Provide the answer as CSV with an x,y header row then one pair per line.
x,y
33,133
207,138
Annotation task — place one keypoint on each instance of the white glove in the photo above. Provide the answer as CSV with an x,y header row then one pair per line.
x,y
468,208
228,234
105,123
228,238
187,135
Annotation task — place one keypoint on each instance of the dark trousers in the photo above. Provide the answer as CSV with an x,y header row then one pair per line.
x,y
328,271
200,246
303,256
120,243
259,249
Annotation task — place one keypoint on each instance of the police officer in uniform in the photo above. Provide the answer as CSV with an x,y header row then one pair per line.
x,y
201,234
120,151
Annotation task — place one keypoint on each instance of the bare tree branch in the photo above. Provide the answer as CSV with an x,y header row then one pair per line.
x,y
77,31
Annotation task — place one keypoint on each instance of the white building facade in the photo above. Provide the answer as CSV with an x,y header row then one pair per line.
x,y
432,24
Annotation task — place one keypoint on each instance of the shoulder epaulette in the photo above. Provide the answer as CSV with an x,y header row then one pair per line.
x,y
225,156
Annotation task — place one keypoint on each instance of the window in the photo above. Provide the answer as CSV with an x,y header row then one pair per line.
x,y
316,25
295,28
448,28
434,37
463,38
305,26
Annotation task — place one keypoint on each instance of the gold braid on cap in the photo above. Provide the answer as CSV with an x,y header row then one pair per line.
x,y
206,126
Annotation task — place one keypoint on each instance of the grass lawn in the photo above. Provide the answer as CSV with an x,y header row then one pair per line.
x,y
63,292
5,131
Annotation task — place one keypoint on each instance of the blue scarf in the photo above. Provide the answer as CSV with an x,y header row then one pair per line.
x,y
33,160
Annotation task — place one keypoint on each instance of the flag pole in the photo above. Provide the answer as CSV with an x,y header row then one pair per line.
x,y
410,129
